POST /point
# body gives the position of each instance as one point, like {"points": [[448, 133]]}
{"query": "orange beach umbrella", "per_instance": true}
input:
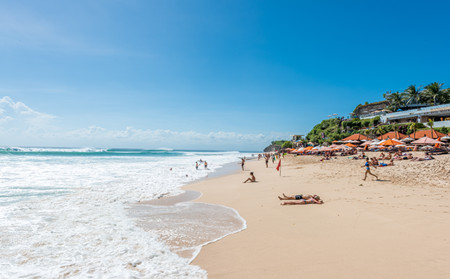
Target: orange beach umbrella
{"points": [[390, 142]]}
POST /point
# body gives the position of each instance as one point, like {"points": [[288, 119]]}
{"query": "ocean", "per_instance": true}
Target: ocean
{"points": [[78, 212]]}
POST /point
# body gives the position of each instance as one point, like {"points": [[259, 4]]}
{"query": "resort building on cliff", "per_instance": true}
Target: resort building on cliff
{"points": [[439, 114]]}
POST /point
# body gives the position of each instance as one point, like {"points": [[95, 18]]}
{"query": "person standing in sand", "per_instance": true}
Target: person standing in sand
{"points": [[267, 161], [242, 163], [252, 178], [367, 165]]}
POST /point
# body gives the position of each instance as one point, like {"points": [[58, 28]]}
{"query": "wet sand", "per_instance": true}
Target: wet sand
{"points": [[186, 226]]}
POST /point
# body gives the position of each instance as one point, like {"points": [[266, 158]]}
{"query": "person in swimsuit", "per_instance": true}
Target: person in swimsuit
{"points": [[206, 165], [267, 161], [242, 163], [367, 165], [313, 200], [391, 163], [298, 197], [251, 178]]}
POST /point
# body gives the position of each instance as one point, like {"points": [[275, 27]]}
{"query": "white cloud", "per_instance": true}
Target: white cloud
{"points": [[21, 125], [20, 113], [174, 139]]}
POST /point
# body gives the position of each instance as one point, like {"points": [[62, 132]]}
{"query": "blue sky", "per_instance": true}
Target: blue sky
{"points": [[205, 74]]}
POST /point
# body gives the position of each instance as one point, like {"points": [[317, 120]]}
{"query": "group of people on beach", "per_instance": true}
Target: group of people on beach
{"points": [[369, 162], [300, 199], [291, 200], [270, 156], [197, 164], [404, 156]]}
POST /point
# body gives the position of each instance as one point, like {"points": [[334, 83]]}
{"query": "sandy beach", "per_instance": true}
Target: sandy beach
{"points": [[396, 227]]}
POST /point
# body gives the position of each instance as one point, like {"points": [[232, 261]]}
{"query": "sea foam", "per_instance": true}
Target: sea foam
{"points": [[65, 216]]}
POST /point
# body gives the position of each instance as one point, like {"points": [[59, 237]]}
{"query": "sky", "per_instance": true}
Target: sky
{"points": [[221, 75]]}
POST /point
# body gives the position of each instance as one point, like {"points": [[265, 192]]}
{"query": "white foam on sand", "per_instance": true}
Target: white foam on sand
{"points": [[82, 230], [187, 226]]}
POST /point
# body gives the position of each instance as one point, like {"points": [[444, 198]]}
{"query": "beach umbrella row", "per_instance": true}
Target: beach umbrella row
{"points": [[370, 144], [426, 140]]}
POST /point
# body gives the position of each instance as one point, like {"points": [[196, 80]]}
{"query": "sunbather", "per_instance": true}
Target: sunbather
{"points": [[298, 197], [311, 200], [391, 163]]}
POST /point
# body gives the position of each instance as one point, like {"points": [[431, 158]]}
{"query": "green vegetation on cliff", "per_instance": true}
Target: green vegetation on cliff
{"points": [[335, 129]]}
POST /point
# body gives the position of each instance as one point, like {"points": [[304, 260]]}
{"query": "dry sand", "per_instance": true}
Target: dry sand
{"points": [[397, 227]]}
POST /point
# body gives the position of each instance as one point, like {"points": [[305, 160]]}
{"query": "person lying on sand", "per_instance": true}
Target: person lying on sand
{"points": [[311, 200], [426, 158], [391, 163], [251, 178], [374, 161], [298, 197]]}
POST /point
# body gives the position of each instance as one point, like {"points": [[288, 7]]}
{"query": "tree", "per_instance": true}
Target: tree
{"points": [[435, 94], [396, 100], [431, 124], [413, 126], [287, 144], [413, 95], [380, 130]]}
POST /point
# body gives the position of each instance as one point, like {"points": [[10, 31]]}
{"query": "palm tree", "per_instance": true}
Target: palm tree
{"points": [[380, 130], [395, 127], [396, 100], [413, 95], [413, 126], [435, 93], [366, 132], [431, 124]]}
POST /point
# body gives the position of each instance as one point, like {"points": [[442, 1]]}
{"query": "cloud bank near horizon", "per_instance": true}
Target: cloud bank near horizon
{"points": [[23, 126]]}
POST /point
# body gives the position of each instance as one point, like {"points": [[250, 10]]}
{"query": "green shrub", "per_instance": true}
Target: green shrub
{"points": [[444, 130], [286, 144]]}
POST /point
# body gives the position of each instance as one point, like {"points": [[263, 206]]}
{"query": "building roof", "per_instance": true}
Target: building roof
{"points": [[357, 137], [426, 133], [392, 135]]}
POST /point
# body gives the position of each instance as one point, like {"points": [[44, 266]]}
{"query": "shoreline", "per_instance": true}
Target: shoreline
{"points": [[345, 237], [190, 216]]}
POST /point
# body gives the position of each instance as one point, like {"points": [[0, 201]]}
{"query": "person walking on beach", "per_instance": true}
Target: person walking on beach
{"points": [[252, 178], [367, 165], [242, 163], [267, 161]]}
